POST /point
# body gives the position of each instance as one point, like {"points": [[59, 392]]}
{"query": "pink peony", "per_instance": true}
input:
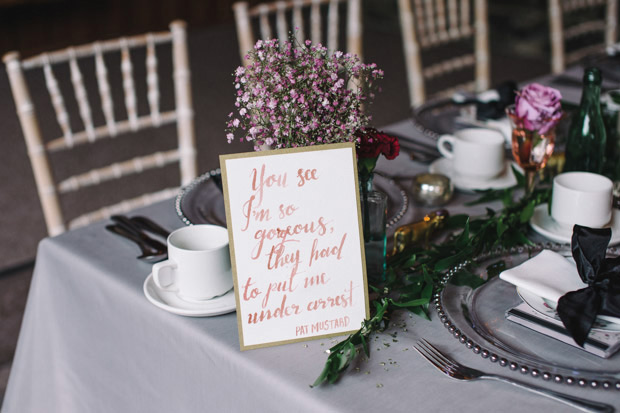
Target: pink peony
{"points": [[538, 107]]}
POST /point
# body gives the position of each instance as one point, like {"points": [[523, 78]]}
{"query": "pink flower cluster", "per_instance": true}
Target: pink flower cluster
{"points": [[300, 95], [538, 107]]}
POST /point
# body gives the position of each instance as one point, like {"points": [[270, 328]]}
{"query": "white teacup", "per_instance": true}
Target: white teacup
{"points": [[475, 152], [198, 265], [582, 198]]}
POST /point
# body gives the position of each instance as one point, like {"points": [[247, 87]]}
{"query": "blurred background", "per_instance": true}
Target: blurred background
{"points": [[519, 50]]}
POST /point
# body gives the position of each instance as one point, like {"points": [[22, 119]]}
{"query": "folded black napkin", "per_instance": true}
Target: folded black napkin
{"points": [[578, 309]]}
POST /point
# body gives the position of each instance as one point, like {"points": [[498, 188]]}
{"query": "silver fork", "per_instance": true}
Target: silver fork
{"points": [[457, 371]]}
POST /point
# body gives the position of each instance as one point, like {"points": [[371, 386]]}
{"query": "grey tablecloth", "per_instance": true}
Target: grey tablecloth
{"points": [[91, 342]]}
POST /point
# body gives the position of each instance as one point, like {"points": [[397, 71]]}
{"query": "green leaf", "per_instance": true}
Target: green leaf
{"points": [[466, 278], [449, 262], [456, 221], [501, 228], [520, 177], [412, 303], [527, 212]]}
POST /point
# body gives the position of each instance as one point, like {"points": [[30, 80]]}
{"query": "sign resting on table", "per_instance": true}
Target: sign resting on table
{"points": [[296, 243]]}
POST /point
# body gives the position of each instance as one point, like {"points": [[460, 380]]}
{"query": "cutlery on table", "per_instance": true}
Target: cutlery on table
{"points": [[149, 253], [150, 225], [460, 372], [136, 230]]}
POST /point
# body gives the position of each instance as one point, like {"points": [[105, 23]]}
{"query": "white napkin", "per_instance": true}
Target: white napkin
{"points": [[548, 275]]}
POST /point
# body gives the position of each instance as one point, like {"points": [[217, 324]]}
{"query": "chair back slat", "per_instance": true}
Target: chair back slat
{"points": [[451, 65], [281, 26], [184, 153], [62, 116], [184, 104], [152, 81], [429, 24], [442, 32], [481, 46], [573, 5], [118, 170], [87, 50], [580, 19], [81, 96], [263, 18], [294, 10], [612, 23], [103, 131], [315, 21], [128, 86], [430, 19], [465, 18], [103, 84], [298, 20], [453, 19], [333, 20]]}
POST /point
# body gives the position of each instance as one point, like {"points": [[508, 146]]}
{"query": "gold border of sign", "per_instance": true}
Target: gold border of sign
{"points": [[326, 147]]}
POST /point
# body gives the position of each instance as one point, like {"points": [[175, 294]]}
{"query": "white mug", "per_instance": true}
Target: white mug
{"points": [[582, 198], [198, 265], [474, 152]]}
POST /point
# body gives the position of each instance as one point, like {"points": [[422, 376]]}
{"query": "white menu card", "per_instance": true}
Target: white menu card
{"points": [[296, 244]]}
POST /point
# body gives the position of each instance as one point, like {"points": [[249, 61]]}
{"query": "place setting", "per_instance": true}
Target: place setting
{"points": [[474, 159], [196, 279]]}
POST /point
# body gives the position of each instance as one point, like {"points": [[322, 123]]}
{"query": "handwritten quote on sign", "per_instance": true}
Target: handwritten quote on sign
{"points": [[293, 222]]}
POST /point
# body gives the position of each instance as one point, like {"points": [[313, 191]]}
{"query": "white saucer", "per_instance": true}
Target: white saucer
{"points": [[468, 184], [547, 308], [546, 226], [169, 301]]}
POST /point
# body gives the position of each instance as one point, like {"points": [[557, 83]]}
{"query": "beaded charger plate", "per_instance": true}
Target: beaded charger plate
{"points": [[477, 319], [438, 117], [202, 202]]}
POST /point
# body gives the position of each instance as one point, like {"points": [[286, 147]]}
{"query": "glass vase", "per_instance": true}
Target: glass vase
{"points": [[530, 149], [374, 222]]}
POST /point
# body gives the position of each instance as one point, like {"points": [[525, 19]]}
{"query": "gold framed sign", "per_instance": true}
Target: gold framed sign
{"points": [[296, 243]]}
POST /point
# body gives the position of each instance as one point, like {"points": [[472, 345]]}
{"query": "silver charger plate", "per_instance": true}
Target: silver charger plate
{"points": [[202, 202], [477, 319], [439, 117]]}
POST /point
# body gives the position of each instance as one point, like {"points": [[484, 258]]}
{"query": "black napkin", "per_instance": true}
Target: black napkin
{"points": [[494, 109], [578, 309]]}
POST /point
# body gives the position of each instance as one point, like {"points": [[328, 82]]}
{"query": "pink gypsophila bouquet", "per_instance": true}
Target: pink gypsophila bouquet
{"points": [[299, 95], [538, 108]]}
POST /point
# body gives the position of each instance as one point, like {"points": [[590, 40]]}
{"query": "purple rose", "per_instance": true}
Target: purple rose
{"points": [[538, 107]]}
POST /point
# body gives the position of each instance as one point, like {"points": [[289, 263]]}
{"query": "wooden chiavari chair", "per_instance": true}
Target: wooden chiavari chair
{"points": [[281, 13], [76, 58], [434, 24], [577, 22]]}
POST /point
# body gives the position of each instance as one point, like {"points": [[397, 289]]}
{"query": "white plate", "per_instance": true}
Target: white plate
{"points": [[468, 184], [171, 302], [547, 308], [546, 226]]}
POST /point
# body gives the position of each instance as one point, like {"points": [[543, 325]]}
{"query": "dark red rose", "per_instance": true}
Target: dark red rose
{"points": [[372, 143], [390, 147]]}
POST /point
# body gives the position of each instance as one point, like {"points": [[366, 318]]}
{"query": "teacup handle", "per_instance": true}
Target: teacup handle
{"points": [[443, 149], [165, 270]]}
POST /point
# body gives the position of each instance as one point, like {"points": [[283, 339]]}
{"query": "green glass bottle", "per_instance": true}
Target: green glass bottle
{"points": [[587, 139]]}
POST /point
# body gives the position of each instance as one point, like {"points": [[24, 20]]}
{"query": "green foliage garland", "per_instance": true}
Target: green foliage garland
{"points": [[413, 275]]}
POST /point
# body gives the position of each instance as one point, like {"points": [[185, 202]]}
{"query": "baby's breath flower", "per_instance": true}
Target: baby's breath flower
{"points": [[296, 94]]}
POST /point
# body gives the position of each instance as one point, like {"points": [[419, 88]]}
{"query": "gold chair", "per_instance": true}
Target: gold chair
{"points": [[439, 28], [282, 12], [100, 118], [573, 28]]}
